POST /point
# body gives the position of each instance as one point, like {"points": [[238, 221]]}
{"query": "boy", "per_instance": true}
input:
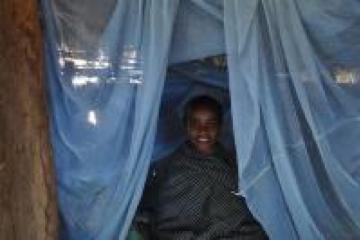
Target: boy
{"points": [[191, 195]]}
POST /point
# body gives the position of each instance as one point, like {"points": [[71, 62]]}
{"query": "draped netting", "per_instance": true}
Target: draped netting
{"points": [[295, 94], [294, 71]]}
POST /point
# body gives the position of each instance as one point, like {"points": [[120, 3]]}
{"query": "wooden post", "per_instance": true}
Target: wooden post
{"points": [[27, 187]]}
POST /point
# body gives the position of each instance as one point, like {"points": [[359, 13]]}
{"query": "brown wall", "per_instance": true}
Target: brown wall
{"points": [[27, 193]]}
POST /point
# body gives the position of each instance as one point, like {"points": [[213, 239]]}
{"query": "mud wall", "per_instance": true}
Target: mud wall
{"points": [[27, 189]]}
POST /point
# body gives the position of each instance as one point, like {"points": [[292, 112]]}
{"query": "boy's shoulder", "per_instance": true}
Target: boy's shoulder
{"points": [[168, 160]]}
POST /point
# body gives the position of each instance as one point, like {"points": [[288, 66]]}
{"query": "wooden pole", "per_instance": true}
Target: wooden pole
{"points": [[27, 187]]}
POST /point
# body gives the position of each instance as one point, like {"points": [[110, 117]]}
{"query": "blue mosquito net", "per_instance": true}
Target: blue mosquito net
{"points": [[293, 83]]}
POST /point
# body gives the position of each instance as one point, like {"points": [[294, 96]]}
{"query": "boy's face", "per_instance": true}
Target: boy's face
{"points": [[203, 129]]}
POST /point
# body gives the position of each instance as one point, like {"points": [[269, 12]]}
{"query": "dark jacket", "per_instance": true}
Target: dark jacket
{"points": [[191, 196]]}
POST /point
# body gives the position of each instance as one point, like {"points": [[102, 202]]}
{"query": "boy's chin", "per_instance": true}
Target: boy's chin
{"points": [[206, 150]]}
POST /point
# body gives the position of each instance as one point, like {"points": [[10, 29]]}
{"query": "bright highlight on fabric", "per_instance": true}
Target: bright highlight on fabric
{"points": [[92, 119], [344, 76]]}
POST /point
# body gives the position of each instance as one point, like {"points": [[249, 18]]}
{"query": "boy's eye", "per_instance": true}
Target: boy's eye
{"points": [[192, 122], [212, 123]]}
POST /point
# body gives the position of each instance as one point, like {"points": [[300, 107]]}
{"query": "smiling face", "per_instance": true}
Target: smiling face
{"points": [[203, 128]]}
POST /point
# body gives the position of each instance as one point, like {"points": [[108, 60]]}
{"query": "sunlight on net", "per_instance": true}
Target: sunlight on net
{"points": [[92, 118]]}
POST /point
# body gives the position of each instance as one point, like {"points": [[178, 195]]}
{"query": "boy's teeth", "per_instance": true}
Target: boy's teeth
{"points": [[203, 140]]}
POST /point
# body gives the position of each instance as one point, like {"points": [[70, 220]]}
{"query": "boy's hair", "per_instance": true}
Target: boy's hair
{"points": [[203, 100]]}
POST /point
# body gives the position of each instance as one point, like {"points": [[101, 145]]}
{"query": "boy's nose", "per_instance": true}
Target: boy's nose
{"points": [[203, 128]]}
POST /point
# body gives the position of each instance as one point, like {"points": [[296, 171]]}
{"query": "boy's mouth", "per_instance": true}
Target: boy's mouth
{"points": [[203, 140]]}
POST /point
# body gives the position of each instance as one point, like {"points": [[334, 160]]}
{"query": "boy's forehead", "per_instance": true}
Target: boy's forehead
{"points": [[203, 107], [203, 110]]}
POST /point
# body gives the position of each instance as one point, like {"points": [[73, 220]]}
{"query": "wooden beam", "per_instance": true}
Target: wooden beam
{"points": [[27, 187]]}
